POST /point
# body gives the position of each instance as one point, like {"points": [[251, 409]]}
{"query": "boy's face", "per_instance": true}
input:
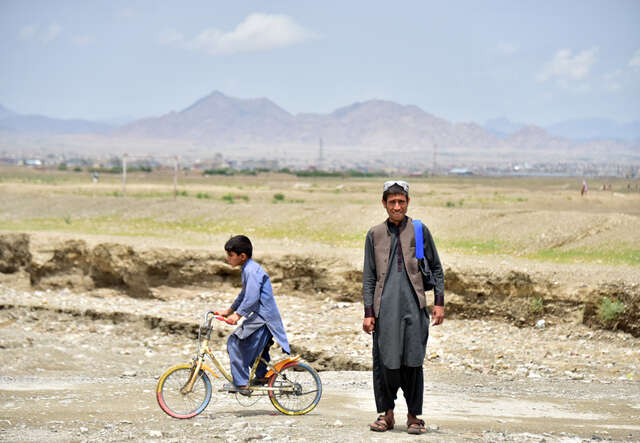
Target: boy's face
{"points": [[236, 260]]}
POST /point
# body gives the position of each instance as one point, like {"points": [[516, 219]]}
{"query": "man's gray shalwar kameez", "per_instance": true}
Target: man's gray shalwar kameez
{"points": [[402, 327]]}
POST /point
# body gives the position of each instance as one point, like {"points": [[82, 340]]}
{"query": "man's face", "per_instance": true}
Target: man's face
{"points": [[396, 206], [234, 259]]}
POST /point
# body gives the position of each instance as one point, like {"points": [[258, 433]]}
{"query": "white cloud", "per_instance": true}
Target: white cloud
{"points": [[45, 35], [565, 67], [634, 63], [28, 32], [51, 33], [258, 32], [505, 48]]}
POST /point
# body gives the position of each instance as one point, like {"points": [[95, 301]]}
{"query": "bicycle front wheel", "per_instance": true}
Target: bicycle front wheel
{"points": [[298, 389], [178, 404]]}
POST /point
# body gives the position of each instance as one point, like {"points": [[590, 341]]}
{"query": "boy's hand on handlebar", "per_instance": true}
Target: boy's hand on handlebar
{"points": [[234, 318], [226, 312]]}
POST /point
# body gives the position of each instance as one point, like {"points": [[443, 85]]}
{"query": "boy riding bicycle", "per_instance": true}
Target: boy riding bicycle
{"points": [[262, 319]]}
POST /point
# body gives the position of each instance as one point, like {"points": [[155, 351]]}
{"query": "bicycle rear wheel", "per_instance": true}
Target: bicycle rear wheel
{"points": [[300, 389], [174, 402]]}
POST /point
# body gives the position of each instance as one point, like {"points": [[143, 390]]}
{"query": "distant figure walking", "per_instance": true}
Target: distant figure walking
{"points": [[95, 177], [584, 189]]}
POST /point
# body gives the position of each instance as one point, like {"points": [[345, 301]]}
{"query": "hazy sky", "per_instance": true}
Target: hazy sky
{"points": [[533, 61]]}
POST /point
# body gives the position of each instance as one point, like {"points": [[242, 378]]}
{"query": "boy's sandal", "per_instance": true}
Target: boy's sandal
{"points": [[260, 381], [416, 427], [230, 387], [381, 424]]}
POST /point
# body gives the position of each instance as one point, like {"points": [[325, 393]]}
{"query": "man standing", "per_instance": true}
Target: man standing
{"points": [[395, 308]]}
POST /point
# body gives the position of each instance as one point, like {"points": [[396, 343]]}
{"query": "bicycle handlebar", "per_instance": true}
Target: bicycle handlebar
{"points": [[217, 316]]}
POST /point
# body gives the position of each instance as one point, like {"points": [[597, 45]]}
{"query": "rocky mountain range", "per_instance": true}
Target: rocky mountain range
{"points": [[372, 128]]}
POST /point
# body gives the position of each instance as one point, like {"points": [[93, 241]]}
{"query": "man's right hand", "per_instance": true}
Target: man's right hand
{"points": [[368, 324]]}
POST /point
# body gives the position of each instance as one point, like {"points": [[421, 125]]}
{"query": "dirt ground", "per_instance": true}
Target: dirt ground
{"points": [[83, 367], [80, 358]]}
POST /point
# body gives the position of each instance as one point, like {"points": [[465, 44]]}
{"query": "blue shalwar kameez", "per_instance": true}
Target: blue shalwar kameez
{"points": [[262, 324]]}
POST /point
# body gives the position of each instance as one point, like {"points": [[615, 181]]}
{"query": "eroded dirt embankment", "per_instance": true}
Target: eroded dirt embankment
{"points": [[513, 295]]}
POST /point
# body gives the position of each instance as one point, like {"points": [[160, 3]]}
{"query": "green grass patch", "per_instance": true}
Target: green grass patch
{"points": [[280, 198], [536, 305], [475, 246], [232, 198], [152, 227], [601, 256], [610, 311]]}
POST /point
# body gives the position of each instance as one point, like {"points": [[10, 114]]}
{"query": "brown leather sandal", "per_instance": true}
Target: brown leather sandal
{"points": [[416, 427], [381, 424]]}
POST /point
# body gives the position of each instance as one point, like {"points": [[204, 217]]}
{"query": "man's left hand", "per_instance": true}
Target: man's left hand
{"points": [[438, 315]]}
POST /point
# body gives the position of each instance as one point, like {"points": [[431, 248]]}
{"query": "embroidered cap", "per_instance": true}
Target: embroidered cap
{"points": [[404, 185]]}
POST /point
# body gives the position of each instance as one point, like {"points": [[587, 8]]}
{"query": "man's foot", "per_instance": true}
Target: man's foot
{"points": [[382, 424], [416, 427], [260, 381]]}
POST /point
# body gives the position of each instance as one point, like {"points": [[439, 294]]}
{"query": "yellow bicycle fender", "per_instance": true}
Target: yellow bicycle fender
{"points": [[280, 364], [207, 368]]}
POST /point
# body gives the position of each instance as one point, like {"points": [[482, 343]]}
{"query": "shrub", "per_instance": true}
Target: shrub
{"points": [[221, 171], [450, 204], [609, 311], [278, 197], [202, 195], [231, 198], [536, 305]]}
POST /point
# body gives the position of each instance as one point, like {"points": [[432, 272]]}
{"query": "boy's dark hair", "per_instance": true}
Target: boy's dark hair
{"points": [[394, 189], [240, 244]]}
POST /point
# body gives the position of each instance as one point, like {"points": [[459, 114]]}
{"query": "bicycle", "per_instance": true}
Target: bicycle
{"points": [[184, 391]]}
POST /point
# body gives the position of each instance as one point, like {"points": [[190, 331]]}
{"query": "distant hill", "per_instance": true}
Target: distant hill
{"points": [[577, 129], [502, 126], [372, 130], [221, 120], [37, 124], [4, 112], [596, 128]]}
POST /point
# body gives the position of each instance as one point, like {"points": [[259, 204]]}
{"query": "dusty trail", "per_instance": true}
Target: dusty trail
{"points": [[83, 367], [117, 408]]}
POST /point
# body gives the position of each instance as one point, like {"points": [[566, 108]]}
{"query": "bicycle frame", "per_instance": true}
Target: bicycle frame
{"points": [[205, 350]]}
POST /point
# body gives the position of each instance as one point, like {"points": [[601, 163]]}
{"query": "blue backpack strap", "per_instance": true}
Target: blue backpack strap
{"points": [[417, 228]]}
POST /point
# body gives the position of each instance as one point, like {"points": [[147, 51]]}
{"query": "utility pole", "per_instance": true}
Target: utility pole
{"points": [[124, 175], [175, 177], [435, 157], [320, 153]]}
